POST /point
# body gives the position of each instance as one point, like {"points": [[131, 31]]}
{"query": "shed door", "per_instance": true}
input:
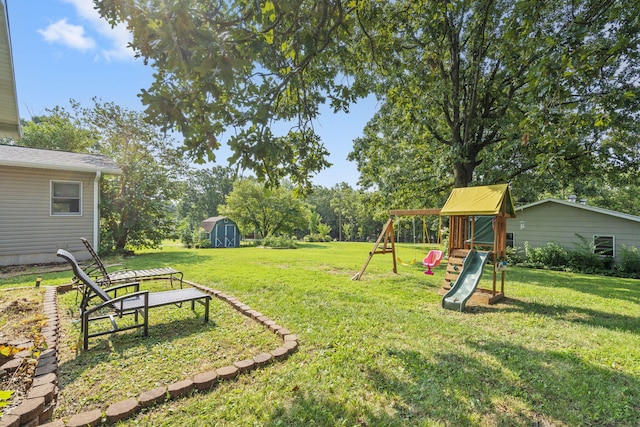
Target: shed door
{"points": [[219, 237], [229, 236]]}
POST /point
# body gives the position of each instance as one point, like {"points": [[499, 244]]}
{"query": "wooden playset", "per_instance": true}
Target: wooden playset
{"points": [[477, 220]]}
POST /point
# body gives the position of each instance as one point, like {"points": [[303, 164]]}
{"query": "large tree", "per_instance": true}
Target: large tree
{"points": [[240, 66], [204, 191], [268, 211], [486, 90], [136, 207], [58, 129]]}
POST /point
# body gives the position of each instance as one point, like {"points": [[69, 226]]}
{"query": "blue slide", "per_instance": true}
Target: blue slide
{"points": [[463, 288]]}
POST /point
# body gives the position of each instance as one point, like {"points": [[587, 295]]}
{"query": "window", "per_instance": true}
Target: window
{"points": [[66, 198], [604, 245], [510, 240]]}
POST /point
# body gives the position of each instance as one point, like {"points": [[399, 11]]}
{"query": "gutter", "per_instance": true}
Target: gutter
{"points": [[96, 210]]}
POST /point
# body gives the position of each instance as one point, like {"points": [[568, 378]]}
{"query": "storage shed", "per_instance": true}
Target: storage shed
{"points": [[561, 221], [222, 232]]}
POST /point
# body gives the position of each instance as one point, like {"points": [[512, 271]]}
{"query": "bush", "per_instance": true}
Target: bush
{"points": [[629, 262], [201, 240], [584, 259], [316, 238], [279, 242], [186, 237], [515, 255], [553, 255]]}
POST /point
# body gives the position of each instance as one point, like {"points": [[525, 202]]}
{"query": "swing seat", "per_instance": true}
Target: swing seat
{"points": [[432, 259]]}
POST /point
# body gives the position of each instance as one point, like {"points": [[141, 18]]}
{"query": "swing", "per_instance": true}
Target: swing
{"points": [[406, 264], [425, 240]]}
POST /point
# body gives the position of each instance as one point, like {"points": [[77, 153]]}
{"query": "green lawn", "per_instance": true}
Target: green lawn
{"points": [[563, 349]]}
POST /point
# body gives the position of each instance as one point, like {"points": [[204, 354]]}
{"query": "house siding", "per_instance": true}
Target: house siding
{"points": [[29, 234], [554, 222]]}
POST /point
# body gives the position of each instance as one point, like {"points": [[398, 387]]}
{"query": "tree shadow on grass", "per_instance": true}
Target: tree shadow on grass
{"points": [[309, 411], [565, 312], [601, 286], [165, 259], [507, 384], [128, 344]]}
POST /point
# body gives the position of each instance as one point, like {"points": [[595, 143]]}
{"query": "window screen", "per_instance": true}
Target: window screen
{"points": [[66, 198]]}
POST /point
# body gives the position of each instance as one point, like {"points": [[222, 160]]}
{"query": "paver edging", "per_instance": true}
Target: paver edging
{"points": [[202, 382], [42, 395]]}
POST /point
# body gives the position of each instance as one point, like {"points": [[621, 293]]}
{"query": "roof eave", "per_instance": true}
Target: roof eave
{"points": [[110, 171], [594, 209], [10, 128]]}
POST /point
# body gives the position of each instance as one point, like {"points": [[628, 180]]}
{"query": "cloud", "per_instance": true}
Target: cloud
{"points": [[116, 38], [111, 43], [69, 35]]}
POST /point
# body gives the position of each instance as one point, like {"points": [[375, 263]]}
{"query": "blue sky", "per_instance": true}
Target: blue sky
{"points": [[62, 50]]}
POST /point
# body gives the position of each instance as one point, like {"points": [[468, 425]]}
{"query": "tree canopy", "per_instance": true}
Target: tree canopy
{"points": [[473, 90], [267, 211]]}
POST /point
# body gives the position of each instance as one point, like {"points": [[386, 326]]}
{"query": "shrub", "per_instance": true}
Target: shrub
{"points": [[629, 262], [515, 255], [186, 237], [316, 238], [201, 240], [553, 255], [584, 259], [279, 242]]}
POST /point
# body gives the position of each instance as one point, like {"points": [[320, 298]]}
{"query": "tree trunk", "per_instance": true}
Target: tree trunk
{"points": [[120, 239], [463, 173]]}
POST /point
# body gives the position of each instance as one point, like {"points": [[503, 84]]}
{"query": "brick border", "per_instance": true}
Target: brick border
{"points": [[41, 399]]}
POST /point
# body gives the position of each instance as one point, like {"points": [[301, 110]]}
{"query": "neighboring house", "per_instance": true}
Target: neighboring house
{"points": [[9, 117], [222, 232], [553, 220], [48, 200]]}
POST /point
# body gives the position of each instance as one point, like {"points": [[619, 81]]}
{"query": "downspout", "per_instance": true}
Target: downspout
{"points": [[96, 210]]}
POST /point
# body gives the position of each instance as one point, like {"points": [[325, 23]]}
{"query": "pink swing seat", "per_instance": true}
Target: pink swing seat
{"points": [[432, 259]]}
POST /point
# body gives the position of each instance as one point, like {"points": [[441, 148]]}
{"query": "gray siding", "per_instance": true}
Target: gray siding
{"points": [[29, 234], [554, 222]]}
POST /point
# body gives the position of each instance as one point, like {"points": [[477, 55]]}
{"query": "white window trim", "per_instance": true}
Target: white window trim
{"points": [[613, 240], [61, 181], [513, 238]]}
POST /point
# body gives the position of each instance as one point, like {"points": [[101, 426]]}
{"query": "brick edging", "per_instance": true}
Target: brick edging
{"points": [[43, 395], [41, 398]]}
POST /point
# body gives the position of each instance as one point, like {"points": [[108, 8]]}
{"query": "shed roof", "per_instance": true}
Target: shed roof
{"points": [[482, 200], [581, 206], [209, 223], [12, 155], [9, 117]]}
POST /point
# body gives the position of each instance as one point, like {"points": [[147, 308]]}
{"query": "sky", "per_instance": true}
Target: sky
{"points": [[62, 50]]}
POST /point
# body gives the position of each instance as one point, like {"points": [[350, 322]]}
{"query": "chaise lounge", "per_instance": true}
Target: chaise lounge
{"points": [[104, 278], [136, 303]]}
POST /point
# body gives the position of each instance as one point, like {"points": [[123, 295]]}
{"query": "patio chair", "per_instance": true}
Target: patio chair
{"points": [[105, 278], [136, 303]]}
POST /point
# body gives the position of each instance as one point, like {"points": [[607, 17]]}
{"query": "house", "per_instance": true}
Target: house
{"points": [[48, 200], [9, 117], [222, 232], [561, 221]]}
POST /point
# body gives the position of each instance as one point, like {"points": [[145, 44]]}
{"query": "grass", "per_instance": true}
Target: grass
{"points": [[563, 349]]}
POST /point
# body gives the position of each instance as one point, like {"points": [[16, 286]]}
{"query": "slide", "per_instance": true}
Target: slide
{"points": [[463, 288]]}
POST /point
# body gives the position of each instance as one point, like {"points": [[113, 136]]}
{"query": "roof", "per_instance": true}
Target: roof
{"points": [[581, 206], [482, 200], [12, 155], [9, 117], [209, 223]]}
